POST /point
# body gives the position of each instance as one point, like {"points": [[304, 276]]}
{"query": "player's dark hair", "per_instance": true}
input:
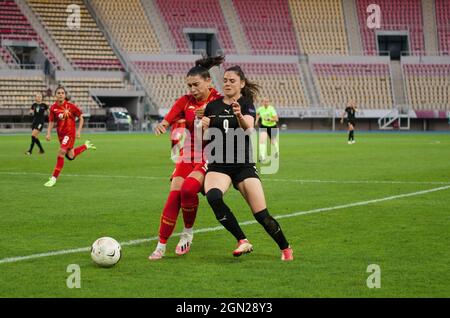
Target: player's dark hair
{"points": [[64, 89], [251, 89], [203, 65]]}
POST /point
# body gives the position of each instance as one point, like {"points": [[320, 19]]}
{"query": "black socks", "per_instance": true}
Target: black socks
{"points": [[223, 213], [272, 227]]}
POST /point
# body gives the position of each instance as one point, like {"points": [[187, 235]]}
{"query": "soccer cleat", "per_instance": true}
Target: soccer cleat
{"points": [[349, 142], [243, 247], [41, 152], [90, 145], [287, 254], [51, 182], [28, 153], [157, 254], [353, 141], [184, 245]]}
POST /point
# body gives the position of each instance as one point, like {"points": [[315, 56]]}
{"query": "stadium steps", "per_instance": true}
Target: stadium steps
{"points": [[44, 35], [352, 26], [398, 88], [397, 118], [156, 20], [429, 25], [310, 88], [237, 32], [3, 65], [136, 79]]}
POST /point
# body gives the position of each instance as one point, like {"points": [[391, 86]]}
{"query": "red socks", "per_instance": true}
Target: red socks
{"points": [[169, 216], [189, 200], [79, 150], [59, 166]]}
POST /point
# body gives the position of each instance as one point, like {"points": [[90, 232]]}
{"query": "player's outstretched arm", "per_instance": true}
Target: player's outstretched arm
{"points": [[161, 127]]}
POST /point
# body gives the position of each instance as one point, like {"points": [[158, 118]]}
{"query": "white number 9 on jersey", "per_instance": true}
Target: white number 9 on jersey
{"points": [[225, 125]]}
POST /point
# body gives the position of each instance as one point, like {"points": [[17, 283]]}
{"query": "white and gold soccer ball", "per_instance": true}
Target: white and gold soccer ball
{"points": [[106, 252]]}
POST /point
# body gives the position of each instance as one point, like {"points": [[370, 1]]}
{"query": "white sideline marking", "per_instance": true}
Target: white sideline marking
{"points": [[264, 179], [218, 228]]}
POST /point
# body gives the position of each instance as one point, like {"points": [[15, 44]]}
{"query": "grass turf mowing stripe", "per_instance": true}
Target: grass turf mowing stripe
{"points": [[218, 228], [264, 179]]}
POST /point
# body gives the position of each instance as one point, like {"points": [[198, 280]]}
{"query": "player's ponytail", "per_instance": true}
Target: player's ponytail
{"points": [[203, 65], [251, 89]]}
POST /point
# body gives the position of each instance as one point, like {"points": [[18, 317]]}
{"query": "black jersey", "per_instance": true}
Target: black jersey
{"points": [[39, 112], [236, 146], [350, 113]]}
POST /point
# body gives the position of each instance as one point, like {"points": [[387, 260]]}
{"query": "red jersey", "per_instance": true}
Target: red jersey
{"points": [[185, 107], [64, 115]]}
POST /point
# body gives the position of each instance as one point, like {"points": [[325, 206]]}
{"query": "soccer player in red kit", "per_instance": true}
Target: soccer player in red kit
{"points": [[64, 113], [188, 176]]}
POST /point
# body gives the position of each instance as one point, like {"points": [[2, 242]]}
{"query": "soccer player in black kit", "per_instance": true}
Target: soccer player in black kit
{"points": [[38, 110], [225, 118], [350, 111]]}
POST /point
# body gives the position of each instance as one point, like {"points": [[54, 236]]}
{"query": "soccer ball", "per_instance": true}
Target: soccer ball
{"points": [[106, 252]]}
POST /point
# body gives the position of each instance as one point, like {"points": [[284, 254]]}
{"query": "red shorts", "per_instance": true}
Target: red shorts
{"points": [[183, 169], [67, 141]]}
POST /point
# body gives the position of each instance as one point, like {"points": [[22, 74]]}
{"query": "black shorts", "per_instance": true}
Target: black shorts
{"points": [[237, 173], [38, 126], [271, 132], [351, 121]]}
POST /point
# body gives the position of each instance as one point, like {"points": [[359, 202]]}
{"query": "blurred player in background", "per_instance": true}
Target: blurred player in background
{"points": [[232, 115], [350, 110], [65, 113], [187, 178], [269, 120], [38, 110]]}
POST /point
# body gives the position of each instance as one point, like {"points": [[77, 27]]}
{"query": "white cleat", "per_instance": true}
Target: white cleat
{"points": [[243, 247], [184, 245], [157, 254]]}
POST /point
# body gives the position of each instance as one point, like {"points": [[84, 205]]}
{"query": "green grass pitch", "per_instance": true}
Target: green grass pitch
{"points": [[384, 200]]}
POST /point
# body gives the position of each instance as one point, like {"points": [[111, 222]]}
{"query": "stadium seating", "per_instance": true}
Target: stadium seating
{"points": [[268, 26], [320, 26], [85, 48], [6, 57], [19, 91], [180, 14], [166, 80], [396, 15], [78, 88], [368, 84], [15, 26], [443, 25], [280, 82], [129, 25], [427, 86]]}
